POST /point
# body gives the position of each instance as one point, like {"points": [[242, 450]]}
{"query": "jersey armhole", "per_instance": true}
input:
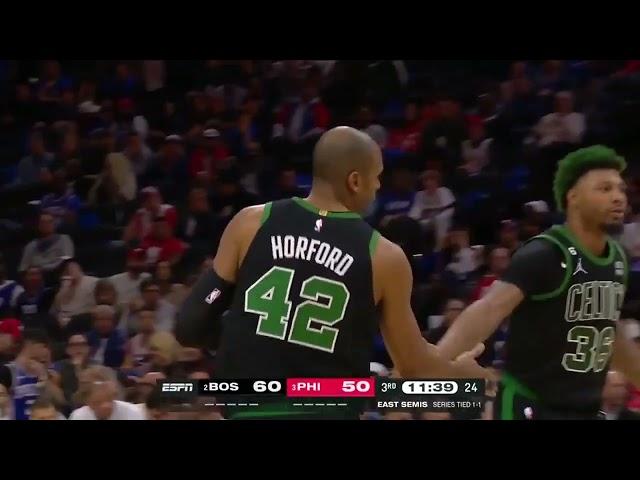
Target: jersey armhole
{"points": [[373, 242], [567, 272], [266, 213]]}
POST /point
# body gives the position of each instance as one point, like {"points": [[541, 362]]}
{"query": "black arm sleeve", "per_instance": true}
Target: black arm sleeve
{"points": [[198, 323], [536, 268]]}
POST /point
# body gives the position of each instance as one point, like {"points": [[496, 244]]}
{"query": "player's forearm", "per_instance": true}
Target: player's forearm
{"points": [[473, 326], [199, 316]]}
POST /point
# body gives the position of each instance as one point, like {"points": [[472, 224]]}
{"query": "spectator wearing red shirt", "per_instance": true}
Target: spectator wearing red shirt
{"points": [[300, 123], [499, 259], [141, 223], [406, 138], [161, 245], [206, 160]]}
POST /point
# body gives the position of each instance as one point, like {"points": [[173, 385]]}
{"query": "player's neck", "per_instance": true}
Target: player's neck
{"points": [[593, 240], [323, 200]]}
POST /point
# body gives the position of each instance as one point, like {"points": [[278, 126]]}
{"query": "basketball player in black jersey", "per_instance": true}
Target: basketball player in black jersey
{"points": [[303, 279], [562, 294]]}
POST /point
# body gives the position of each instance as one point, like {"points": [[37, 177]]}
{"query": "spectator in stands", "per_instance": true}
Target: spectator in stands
{"points": [[230, 197], [171, 291], [209, 157], [630, 237], [141, 223], [138, 355], [458, 256], [365, 121], [70, 369], [453, 308], [139, 154], [168, 171], [300, 123], [152, 300], [67, 154], [476, 150], [499, 260], [397, 201], [53, 83], [244, 137], [197, 224], [29, 375], [107, 344], [563, 126], [508, 236], [116, 184], [433, 207], [10, 336], [44, 409], [5, 403], [127, 284], [35, 168], [165, 350], [445, 134], [406, 138], [145, 386], [33, 304], [102, 402], [49, 251], [76, 293], [62, 203], [287, 185], [10, 290], [161, 244]]}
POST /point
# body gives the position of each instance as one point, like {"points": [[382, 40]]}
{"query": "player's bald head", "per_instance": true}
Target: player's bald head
{"points": [[341, 151]]}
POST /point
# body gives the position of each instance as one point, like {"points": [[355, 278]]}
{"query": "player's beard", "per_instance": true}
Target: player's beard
{"points": [[613, 228]]}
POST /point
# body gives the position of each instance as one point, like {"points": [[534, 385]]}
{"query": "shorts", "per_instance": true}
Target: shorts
{"points": [[515, 401]]}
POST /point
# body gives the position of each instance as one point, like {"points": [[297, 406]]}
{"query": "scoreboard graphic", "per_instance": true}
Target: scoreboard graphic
{"points": [[383, 394]]}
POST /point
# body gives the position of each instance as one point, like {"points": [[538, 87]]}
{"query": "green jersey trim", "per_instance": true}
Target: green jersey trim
{"points": [[266, 213], [373, 243], [603, 262], [567, 273], [511, 387], [625, 262], [324, 213]]}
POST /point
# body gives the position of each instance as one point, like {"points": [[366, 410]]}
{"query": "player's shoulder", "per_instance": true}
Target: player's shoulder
{"points": [[251, 216], [388, 256], [543, 245]]}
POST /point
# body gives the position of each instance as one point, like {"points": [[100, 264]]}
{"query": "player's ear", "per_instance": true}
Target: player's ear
{"points": [[572, 196], [354, 181]]}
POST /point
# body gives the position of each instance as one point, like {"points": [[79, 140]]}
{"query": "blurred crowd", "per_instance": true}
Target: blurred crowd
{"points": [[117, 179]]}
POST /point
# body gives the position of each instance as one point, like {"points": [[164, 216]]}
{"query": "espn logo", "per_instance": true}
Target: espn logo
{"points": [[177, 387]]}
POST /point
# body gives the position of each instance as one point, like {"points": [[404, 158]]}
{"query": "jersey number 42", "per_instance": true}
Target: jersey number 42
{"points": [[269, 297]]}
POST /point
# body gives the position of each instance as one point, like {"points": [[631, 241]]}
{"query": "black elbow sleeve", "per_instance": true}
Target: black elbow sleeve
{"points": [[198, 322]]}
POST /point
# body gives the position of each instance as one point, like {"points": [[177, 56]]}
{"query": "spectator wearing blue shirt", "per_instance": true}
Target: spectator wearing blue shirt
{"points": [[35, 167], [62, 203], [397, 201]]}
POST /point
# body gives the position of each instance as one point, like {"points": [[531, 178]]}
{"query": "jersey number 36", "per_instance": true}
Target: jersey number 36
{"points": [[268, 297]]}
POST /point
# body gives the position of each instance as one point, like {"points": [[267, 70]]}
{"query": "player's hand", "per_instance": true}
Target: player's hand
{"points": [[465, 365]]}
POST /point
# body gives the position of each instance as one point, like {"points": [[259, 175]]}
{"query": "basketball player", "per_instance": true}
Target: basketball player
{"points": [[303, 278], [563, 293]]}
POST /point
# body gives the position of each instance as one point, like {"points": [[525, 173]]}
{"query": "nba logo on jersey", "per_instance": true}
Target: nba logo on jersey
{"points": [[619, 268], [318, 226], [212, 296]]}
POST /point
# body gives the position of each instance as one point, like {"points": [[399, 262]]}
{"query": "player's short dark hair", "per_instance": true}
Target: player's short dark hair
{"points": [[572, 167]]}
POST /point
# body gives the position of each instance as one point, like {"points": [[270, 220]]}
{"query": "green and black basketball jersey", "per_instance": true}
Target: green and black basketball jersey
{"points": [[304, 303], [560, 337]]}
